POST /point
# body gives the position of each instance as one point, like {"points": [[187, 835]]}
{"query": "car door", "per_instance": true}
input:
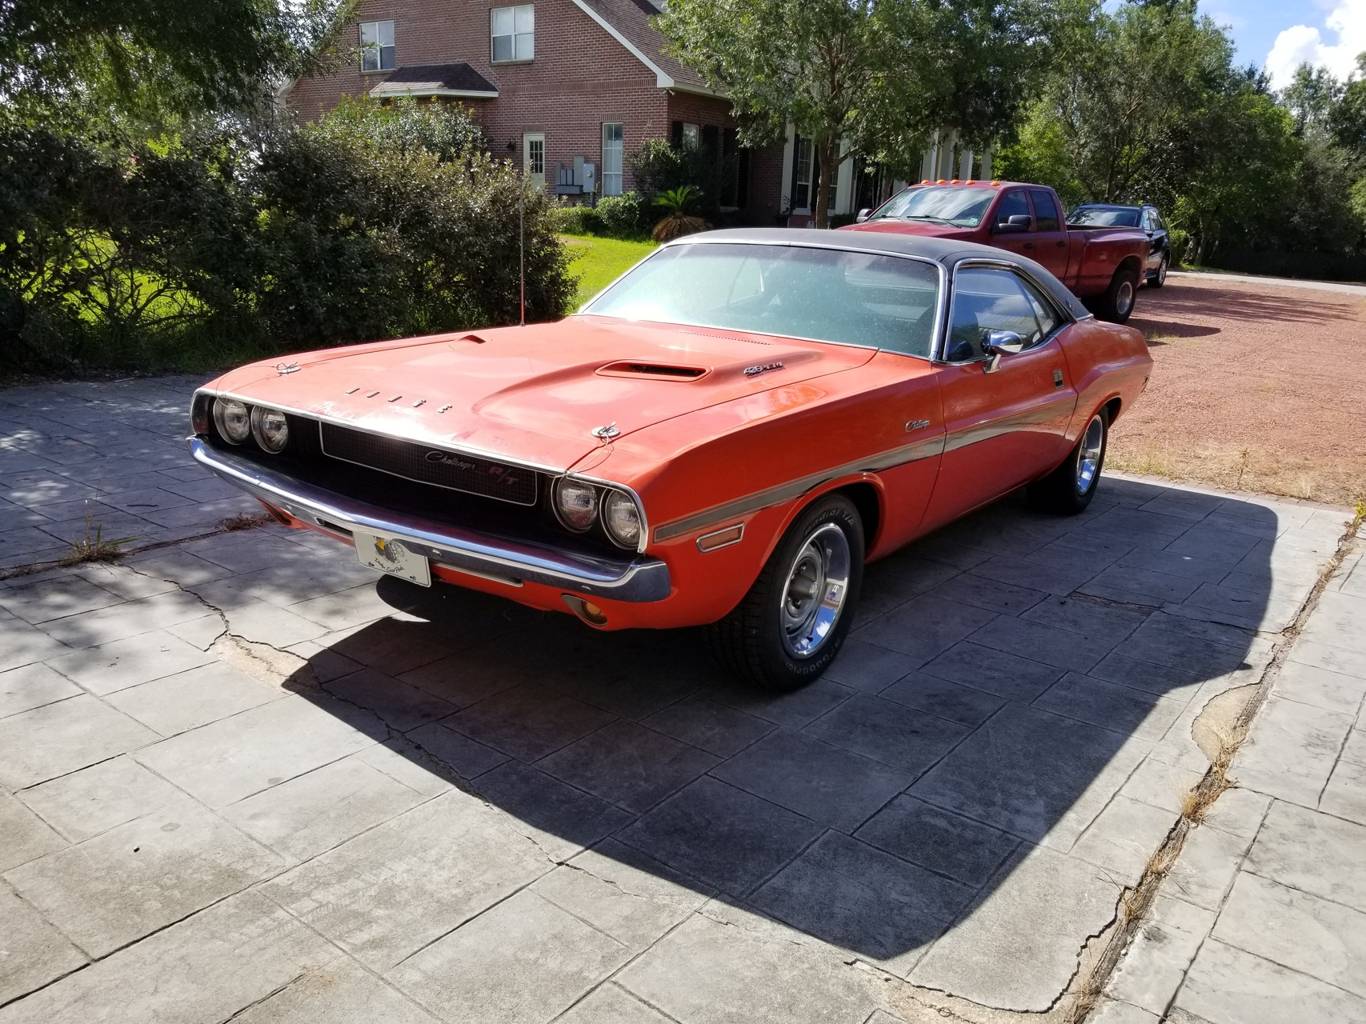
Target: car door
{"points": [[1016, 237], [1003, 426], [1157, 238], [1050, 236]]}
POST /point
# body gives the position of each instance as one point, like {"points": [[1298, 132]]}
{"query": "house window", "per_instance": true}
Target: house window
{"points": [[692, 136], [613, 152], [801, 173], [377, 51], [514, 32]]}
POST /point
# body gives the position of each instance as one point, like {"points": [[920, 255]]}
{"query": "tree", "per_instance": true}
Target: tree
{"points": [[146, 58], [1312, 96], [863, 77], [1133, 79], [1348, 119]]}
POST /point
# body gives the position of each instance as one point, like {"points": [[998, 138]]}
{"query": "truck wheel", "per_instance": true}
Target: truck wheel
{"points": [[1159, 276], [792, 623], [1069, 488], [1118, 301]]}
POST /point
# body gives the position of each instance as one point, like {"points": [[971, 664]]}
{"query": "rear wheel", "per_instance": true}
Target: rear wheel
{"points": [[793, 622], [1159, 276], [1069, 488], [1118, 301]]}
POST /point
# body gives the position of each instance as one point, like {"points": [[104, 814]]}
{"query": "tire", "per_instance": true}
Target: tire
{"points": [[1159, 276], [1069, 488], [1117, 304], [761, 640]]}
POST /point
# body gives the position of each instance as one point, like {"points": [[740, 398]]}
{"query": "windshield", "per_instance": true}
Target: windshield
{"points": [[854, 298], [960, 207], [1100, 216]]}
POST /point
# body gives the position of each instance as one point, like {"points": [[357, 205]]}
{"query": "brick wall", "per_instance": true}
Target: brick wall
{"points": [[580, 76]]}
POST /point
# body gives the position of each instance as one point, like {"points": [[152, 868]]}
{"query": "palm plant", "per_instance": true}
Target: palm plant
{"points": [[678, 220]]}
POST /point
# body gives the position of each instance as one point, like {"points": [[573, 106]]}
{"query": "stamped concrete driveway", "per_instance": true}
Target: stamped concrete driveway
{"points": [[243, 779]]}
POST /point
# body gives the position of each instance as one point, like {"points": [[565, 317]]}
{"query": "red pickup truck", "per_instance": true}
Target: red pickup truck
{"points": [[1101, 265]]}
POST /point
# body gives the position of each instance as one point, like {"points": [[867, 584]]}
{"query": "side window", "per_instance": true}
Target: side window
{"points": [[1043, 311], [1013, 204], [986, 300], [1046, 216]]}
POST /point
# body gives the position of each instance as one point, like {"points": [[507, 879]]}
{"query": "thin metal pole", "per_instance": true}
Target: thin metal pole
{"points": [[521, 256]]}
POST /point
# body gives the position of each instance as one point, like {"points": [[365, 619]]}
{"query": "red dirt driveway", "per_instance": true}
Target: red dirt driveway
{"points": [[1255, 387]]}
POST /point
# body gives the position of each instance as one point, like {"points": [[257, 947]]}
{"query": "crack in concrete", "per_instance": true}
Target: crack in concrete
{"points": [[269, 995], [1229, 733]]}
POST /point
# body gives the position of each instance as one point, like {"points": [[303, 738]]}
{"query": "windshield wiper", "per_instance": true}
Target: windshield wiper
{"points": [[923, 216]]}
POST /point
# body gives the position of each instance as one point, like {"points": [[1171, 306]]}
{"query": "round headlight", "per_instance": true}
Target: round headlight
{"points": [[621, 518], [232, 418], [270, 428], [576, 503]]}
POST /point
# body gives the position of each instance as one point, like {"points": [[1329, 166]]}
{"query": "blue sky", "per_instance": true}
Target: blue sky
{"points": [[1280, 34]]}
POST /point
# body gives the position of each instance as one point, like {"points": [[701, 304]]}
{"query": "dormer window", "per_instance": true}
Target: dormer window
{"points": [[377, 52], [513, 31]]}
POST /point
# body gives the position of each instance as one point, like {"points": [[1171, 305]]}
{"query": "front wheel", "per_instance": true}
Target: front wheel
{"points": [[1118, 301], [793, 622], [1069, 488]]}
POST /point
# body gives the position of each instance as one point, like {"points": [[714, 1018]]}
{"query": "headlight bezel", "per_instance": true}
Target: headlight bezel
{"points": [[220, 406], [622, 500], [258, 433], [590, 515]]}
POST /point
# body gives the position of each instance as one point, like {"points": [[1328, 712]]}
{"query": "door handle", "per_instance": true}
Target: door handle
{"points": [[1060, 244], [1029, 245]]}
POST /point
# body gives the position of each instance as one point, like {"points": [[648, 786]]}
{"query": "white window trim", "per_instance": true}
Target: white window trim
{"points": [[514, 35], [379, 47], [620, 173]]}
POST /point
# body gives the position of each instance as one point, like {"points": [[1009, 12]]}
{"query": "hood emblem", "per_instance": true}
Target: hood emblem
{"points": [[284, 368], [606, 432], [754, 371]]}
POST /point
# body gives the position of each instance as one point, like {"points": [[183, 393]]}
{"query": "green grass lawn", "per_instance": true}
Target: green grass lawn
{"points": [[599, 261]]}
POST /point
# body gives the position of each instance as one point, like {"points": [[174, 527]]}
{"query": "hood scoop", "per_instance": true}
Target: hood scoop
{"points": [[651, 370]]}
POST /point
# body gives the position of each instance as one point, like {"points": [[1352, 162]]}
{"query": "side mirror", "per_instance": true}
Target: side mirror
{"points": [[862, 215], [1014, 224], [996, 344]]}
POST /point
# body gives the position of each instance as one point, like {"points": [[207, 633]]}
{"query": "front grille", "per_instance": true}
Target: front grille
{"points": [[421, 463]]}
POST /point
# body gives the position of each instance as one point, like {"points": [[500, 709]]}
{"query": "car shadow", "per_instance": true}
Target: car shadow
{"points": [[1007, 677]]}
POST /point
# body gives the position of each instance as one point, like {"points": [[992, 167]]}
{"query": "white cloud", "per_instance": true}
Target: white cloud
{"points": [[1301, 44]]}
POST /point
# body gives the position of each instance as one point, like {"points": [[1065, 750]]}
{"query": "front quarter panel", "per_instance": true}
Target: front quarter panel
{"points": [[759, 461]]}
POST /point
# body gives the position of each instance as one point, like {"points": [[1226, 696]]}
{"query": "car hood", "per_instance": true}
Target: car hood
{"points": [[536, 393], [924, 228]]}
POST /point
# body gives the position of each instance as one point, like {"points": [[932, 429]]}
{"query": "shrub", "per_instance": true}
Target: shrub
{"points": [[622, 216], [575, 220], [445, 130], [232, 247], [659, 167]]}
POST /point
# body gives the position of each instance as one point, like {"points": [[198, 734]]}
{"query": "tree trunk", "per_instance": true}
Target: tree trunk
{"points": [[829, 156]]}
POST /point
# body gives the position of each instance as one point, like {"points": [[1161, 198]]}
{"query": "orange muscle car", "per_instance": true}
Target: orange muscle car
{"points": [[722, 437]]}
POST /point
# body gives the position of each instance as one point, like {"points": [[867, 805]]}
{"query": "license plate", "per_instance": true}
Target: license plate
{"points": [[392, 557]]}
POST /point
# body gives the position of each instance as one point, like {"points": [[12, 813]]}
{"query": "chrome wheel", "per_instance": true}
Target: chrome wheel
{"points": [[815, 590], [1124, 298], [1089, 454], [1162, 272]]}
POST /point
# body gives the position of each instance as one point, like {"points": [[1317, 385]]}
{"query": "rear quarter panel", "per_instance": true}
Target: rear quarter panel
{"points": [[1100, 253], [1106, 361]]}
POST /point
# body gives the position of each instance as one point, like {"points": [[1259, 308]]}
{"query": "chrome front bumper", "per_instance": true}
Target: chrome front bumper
{"points": [[508, 561]]}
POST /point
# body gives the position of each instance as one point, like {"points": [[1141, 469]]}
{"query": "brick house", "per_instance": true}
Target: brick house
{"points": [[560, 86]]}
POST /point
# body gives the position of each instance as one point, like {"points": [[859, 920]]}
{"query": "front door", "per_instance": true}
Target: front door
{"points": [[1050, 236], [1007, 426], [533, 157]]}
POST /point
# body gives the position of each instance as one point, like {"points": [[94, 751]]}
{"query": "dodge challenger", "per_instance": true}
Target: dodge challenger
{"points": [[723, 437]]}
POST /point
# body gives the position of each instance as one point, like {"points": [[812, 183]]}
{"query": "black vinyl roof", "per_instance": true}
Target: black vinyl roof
{"points": [[946, 251]]}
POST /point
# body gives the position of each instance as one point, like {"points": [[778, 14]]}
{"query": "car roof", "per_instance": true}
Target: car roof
{"points": [[948, 252]]}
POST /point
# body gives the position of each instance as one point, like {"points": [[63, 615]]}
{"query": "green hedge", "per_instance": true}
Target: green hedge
{"points": [[210, 247]]}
